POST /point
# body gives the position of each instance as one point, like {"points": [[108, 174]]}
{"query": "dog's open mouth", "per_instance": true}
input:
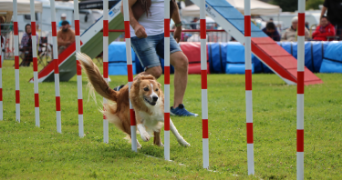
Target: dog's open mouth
{"points": [[150, 102]]}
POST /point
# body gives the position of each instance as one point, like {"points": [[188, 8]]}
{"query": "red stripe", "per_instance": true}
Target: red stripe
{"points": [[166, 27], [80, 106], [204, 79], [300, 82], [55, 63], [77, 27], [203, 27], [248, 79], [248, 25], [105, 69], [79, 67], [17, 96], [36, 100], [54, 28], [15, 28], [166, 121], [127, 30], [105, 27], [35, 64], [58, 103], [166, 74], [300, 140], [301, 24], [130, 72], [16, 62], [132, 116], [249, 133], [0, 94], [205, 130], [33, 28]]}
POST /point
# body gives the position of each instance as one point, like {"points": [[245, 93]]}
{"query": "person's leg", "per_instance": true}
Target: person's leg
{"points": [[180, 62]]}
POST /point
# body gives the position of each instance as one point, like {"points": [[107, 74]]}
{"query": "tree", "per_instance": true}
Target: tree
{"points": [[286, 5], [313, 4]]}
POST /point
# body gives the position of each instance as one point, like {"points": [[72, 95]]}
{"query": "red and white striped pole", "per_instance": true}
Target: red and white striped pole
{"points": [[205, 123], [105, 64], [167, 80], [1, 103], [35, 64], [16, 61], [300, 89], [248, 86], [55, 60], [79, 70], [129, 72]]}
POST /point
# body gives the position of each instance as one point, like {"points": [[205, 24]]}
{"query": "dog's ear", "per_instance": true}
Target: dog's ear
{"points": [[136, 83], [159, 85]]}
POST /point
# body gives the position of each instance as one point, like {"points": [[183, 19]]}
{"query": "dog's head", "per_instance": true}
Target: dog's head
{"points": [[148, 89]]}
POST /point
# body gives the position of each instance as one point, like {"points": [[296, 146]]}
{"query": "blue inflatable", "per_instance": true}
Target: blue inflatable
{"points": [[217, 53], [117, 62], [332, 61], [236, 59]]}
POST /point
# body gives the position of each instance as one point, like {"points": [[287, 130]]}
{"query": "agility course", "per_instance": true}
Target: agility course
{"points": [[219, 158]]}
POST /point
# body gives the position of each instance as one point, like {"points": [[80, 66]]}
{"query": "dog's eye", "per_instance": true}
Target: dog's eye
{"points": [[146, 89], [157, 89]]}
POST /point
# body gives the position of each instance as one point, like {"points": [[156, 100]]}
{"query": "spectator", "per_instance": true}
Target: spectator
{"points": [[324, 30], [26, 46], [334, 14], [63, 18], [194, 23], [65, 36], [290, 34], [271, 31]]}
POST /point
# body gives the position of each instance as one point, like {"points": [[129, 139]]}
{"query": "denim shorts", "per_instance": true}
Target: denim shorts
{"points": [[148, 49]]}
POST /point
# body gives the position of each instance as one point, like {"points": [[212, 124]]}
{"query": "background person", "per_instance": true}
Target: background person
{"points": [[63, 18], [65, 36], [290, 34], [193, 24], [271, 31], [26, 46], [324, 30], [334, 14]]}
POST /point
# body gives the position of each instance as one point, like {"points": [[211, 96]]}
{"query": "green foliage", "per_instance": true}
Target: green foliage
{"points": [[28, 152], [292, 5], [314, 4]]}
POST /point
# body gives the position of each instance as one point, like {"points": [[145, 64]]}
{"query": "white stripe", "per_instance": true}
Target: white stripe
{"points": [[16, 44], [202, 10], [78, 45], [248, 55], [301, 53], [166, 51], [129, 88], [59, 122], [300, 111], [55, 47], [17, 112], [166, 9], [203, 54], [166, 98], [167, 145], [249, 107], [205, 153], [34, 46], [32, 11], [53, 11], [134, 138], [79, 87], [105, 48], [80, 125], [76, 12], [16, 71], [247, 10], [105, 126], [250, 158], [300, 165], [1, 111], [128, 51], [301, 6], [35, 76], [204, 104], [15, 11], [105, 9], [126, 11], [36, 109], [57, 92]]}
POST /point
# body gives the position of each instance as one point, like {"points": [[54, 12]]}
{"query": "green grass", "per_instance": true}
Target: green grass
{"points": [[28, 152]]}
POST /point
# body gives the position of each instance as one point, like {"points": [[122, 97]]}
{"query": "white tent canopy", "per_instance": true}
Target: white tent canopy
{"points": [[23, 6], [257, 8]]}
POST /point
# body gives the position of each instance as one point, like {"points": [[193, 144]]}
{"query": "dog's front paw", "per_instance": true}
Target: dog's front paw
{"points": [[145, 136]]}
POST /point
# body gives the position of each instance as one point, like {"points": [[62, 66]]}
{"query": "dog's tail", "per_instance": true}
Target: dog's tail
{"points": [[95, 77]]}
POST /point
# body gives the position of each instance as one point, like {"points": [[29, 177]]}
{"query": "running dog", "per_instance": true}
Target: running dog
{"points": [[146, 97]]}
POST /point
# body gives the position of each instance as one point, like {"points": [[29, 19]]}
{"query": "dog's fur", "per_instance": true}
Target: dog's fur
{"points": [[146, 97]]}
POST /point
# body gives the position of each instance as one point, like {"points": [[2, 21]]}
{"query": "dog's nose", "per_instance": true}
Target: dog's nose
{"points": [[155, 98]]}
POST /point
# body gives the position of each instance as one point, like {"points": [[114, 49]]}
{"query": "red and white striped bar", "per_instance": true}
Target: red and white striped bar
{"points": [[300, 89], [1, 103], [248, 86], [204, 87], [79, 70], [16, 61], [35, 64], [167, 80], [105, 64], [55, 61], [129, 73]]}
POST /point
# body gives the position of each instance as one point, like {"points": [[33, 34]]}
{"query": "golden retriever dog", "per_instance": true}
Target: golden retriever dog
{"points": [[147, 100]]}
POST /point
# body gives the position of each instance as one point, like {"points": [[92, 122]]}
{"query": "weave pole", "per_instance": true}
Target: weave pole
{"points": [[300, 89], [1, 103], [248, 86], [205, 131], [55, 61], [129, 73], [105, 64], [35, 64], [79, 70], [16, 61], [167, 80]]}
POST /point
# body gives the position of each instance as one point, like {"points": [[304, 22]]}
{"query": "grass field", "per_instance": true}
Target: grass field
{"points": [[28, 152]]}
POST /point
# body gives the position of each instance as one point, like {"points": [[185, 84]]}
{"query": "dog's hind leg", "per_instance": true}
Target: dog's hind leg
{"points": [[175, 132], [157, 139]]}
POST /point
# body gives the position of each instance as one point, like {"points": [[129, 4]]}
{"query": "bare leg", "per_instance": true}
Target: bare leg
{"points": [[180, 62], [154, 71]]}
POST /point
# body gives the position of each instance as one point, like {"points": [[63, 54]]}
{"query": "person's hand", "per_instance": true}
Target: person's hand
{"points": [[140, 31], [177, 34]]}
